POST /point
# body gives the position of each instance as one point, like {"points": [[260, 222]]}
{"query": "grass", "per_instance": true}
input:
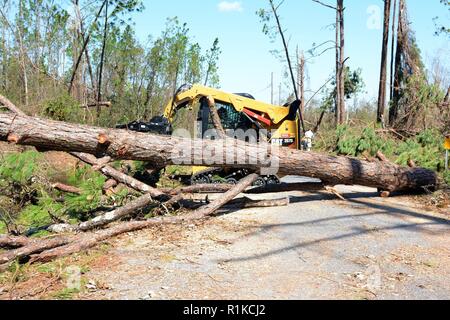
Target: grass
{"points": [[65, 294]]}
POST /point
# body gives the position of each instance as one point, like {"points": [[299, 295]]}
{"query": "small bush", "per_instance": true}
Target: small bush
{"points": [[62, 108]]}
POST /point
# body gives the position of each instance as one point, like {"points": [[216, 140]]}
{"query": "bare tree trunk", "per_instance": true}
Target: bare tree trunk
{"points": [[102, 60], [22, 55], [83, 38], [288, 58], [392, 51], [338, 68], [80, 55], [163, 151], [215, 118], [383, 71], [342, 111], [393, 112], [301, 80], [120, 213]]}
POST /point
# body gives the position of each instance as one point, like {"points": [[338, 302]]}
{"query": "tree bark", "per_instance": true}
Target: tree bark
{"points": [[66, 188], [13, 242], [102, 60], [244, 203], [391, 88], [215, 118], [342, 111], [90, 240], [383, 71], [166, 150], [393, 111], [338, 71], [34, 247]]}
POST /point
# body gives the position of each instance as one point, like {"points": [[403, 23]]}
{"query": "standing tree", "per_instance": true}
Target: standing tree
{"points": [[383, 71], [341, 88], [265, 18], [212, 58], [340, 110]]}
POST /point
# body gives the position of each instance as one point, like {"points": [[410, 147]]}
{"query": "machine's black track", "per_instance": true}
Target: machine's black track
{"points": [[219, 175]]}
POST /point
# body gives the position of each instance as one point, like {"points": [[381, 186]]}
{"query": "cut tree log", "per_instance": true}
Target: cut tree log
{"points": [[167, 150], [244, 203], [200, 188], [13, 242], [100, 164], [287, 187], [271, 188]]}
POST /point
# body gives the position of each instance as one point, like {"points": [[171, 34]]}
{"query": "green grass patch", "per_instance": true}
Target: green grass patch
{"points": [[65, 294]]}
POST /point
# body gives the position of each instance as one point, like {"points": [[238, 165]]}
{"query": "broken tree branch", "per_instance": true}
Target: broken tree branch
{"points": [[66, 188]]}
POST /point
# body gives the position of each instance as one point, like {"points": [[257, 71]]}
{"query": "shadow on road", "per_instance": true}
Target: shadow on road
{"points": [[354, 198]]}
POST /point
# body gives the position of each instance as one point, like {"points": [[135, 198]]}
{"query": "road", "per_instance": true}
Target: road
{"points": [[319, 247]]}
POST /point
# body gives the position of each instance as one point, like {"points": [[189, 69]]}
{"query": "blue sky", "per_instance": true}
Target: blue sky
{"points": [[246, 62]]}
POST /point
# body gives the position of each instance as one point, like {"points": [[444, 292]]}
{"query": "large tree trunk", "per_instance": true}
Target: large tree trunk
{"points": [[166, 150], [383, 71]]}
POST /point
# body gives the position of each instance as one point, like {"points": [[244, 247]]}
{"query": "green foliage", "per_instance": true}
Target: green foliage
{"points": [[447, 177], [353, 143], [62, 108], [425, 149], [416, 102], [19, 167], [34, 216], [353, 84]]}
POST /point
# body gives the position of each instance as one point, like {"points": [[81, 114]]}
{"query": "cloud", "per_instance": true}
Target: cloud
{"points": [[228, 6]]}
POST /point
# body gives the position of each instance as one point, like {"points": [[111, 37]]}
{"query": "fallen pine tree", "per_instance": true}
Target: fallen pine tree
{"points": [[165, 150], [98, 147]]}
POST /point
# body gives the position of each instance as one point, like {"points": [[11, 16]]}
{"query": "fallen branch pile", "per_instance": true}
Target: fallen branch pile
{"points": [[98, 147]]}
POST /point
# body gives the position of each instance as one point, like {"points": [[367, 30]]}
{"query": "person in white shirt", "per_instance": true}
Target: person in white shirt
{"points": [[307, 140]]}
